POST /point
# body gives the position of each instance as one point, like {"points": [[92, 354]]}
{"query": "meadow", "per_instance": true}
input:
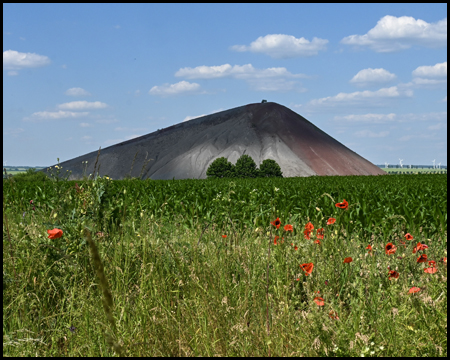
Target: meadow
{"points": [[318, 266]]}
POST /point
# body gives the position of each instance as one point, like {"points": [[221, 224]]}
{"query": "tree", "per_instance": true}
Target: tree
{"points": [[270, 168], [246, 167], [220, 168]]}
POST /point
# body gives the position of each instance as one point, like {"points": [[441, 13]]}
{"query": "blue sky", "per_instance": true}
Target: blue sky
{"points": [[80, 76]]}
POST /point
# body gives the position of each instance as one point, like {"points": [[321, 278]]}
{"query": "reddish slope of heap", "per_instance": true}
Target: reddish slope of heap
{"points": [[263, 131]]}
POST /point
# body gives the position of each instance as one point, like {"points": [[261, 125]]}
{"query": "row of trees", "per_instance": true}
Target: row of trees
{"points": [[245, 168]]}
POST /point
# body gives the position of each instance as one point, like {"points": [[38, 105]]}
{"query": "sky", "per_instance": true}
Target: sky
{"points": [[77, 77]]}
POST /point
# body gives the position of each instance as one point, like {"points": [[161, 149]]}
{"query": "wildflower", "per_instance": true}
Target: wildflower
{"points": [[430, 270], [276, 223], [309, 226], [432, 263], [408, 236], [295, 247], [319, 233], [443, 260], [369, 247], [224, 236], [348, 260], [333, 315], [319, 301], [288, 227], [307, 234], [393, 274], [275, 240], [390, 249], [342, 205], [331, 221], [31, 201], [414, 290], [307, 268], [54, 234], [422, 258], [317, 242], [419, 247]]}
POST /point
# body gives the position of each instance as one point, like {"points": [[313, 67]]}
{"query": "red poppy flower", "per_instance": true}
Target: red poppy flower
{"points": [[319, 233], [342, 205], [418, 247], [309, 226], [333, 315], [31, 201], [224, 236], [430, 270], [348, 260], [288, 227], [424, 246], [414, 290], [54, 234], [317, 242], [408, 236], [307, 234], [275, 240], [369, 247], [295, 247], [390, 249], [422, 258], [307, 268], [276, 223], [331, 221], [393, 274], [432, 263], [319, 301], [443, 260]]}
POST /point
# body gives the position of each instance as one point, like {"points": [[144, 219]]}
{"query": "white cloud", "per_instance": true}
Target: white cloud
{"points": [[82, 105], [438, 126], [361, 97], [13, 131], [367, 118], [52, 115], [270, 79], [237, 71], [397, 33], [14, 60], [438, 70], [367, 77], [13, 73], [187, 118], [174, 89], [280, 46], [371, 134], [76, 91], [83, 124]]}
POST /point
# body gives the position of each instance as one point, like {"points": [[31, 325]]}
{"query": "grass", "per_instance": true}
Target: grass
{"points": [[150, 287]]}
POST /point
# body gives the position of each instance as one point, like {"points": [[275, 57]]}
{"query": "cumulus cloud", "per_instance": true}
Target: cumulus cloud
{"points": [[368, 77], [438, 70], [52, 115], [270, 79], [237, 71], [76, 91], [367, 118], [280, 46], [181, 87], [14, 60], [397, 33], [82, 105], [361, 97]]}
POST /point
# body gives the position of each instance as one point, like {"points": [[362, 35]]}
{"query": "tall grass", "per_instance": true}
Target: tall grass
{"points": [[169, 290]]}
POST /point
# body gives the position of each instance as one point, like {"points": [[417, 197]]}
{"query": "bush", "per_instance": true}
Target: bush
{"points": [[270, 168], [220, 168], [31, 175], [246, 167]]}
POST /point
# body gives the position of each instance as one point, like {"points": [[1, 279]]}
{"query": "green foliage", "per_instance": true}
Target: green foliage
{"points": [[270, 168], [220, 168], [246, 168], [31, 175]]}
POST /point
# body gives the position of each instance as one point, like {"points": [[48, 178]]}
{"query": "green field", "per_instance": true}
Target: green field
{"points": [[406, 170], [192, 267]]}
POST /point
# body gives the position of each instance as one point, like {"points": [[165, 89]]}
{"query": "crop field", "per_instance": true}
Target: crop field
{"points": [[318, 266]]}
